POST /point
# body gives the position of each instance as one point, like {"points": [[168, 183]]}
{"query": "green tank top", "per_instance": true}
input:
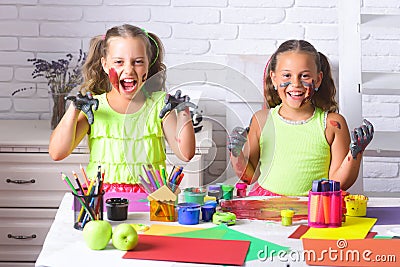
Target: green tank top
{"points": [[293, 155], [122, 143]]}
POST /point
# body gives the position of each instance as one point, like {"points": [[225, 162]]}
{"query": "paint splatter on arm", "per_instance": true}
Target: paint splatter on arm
{"points": [[335, 124]]}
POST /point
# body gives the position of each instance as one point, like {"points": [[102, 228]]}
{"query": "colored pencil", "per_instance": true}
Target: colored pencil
{"points": [[151, 179], [64, 177], [84, 175], [78, 183]]}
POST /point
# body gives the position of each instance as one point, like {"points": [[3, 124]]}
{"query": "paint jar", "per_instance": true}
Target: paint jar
{"points": [[215, 191], [194, 195], [287, 217], [212, 203], [227, 191], [207, 212], [241, 189], [117, 209], [188, 213], [356, 205]]}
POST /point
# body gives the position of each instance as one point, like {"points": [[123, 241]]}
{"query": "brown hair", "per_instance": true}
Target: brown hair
{"points": [[97, 81], [324, 98]]}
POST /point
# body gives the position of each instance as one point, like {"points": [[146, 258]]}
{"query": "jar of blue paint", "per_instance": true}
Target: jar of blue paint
{"points": [[188, 213]]}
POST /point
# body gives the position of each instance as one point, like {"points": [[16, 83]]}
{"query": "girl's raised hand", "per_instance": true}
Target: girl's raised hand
{"points": [[361, 137]]}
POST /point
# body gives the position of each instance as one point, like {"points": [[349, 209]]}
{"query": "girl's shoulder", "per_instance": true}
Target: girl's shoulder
{"points": [[333, 116], [335, 122]]}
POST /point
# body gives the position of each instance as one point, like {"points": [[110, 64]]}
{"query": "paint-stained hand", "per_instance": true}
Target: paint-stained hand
{"points": [[361, 137], [85, 103], [178, 102], [236, 140]]}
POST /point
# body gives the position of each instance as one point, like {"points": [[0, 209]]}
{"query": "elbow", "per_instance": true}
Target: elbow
{"points": [[56, 156], [187, 156]]}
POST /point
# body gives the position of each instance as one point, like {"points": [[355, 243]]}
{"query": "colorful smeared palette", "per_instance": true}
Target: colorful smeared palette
{"points": [[266, 209]]}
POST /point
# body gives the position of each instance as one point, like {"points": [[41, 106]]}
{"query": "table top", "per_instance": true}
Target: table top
{"points": [[64, 244]]}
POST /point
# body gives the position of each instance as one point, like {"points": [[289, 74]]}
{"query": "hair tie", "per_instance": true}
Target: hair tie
{"points": [[154, 41], [103, 37]]}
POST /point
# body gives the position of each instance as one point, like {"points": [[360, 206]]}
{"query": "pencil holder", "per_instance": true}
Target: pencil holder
{"points": [[87, 208], [162, 204], [162, 211], [325, 209]]}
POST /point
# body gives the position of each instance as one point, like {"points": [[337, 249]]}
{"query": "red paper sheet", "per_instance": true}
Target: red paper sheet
{"points": [[194, 250]]}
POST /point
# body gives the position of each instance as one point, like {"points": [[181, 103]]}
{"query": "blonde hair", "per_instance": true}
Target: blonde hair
{"points": [[97, 81], [324, 98]]}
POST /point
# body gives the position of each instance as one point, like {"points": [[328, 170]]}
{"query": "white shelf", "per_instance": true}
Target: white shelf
{"points": [[380, 83], [384, 144]]}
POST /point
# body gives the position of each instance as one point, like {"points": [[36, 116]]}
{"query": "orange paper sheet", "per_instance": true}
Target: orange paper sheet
{"points": [[365, 252], [353, 228]]}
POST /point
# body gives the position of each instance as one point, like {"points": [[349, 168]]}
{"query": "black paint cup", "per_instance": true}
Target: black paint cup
{"points": [[117, 209]]}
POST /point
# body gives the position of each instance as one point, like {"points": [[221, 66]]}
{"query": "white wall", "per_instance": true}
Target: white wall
{"points": [[235, 33]]}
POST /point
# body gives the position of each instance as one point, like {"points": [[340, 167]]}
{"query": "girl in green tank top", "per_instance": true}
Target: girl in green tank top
{"points": [[125, 73], [300, 137]]}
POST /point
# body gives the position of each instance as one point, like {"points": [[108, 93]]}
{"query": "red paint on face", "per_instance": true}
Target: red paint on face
{"points": [[348, 158], [335, 124], [113, 76]]}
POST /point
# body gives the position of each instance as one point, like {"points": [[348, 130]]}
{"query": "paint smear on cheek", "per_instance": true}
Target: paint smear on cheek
{"points": [[335, 124], [113, 76]]}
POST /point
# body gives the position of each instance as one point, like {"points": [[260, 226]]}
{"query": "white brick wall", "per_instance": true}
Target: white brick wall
{"points": [[241, 34]]}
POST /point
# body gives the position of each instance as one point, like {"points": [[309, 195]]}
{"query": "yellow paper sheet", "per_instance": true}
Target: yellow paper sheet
{"points": [[162, 229], [353, 228]]}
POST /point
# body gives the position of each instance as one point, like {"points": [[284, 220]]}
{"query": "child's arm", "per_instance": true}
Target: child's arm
{"points": [[245, 164], [344, 167], [68, 133], [179, 133]]}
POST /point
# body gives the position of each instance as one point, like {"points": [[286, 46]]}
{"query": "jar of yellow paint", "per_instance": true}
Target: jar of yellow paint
{"points": [[356, 205], [287, 217]]}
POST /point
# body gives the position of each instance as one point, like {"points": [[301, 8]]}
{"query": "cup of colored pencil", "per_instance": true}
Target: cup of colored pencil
{"points": [[154, 178], [88, 197]]}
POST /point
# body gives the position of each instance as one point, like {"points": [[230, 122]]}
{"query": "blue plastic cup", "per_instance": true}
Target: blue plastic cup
{"points": [[188, 213], [207, 211]]}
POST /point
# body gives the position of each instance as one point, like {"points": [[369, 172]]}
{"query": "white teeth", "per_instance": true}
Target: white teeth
{"points": [[295, 93], [128, 80]]}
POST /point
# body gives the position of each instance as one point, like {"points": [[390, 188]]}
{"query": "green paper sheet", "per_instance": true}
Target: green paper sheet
{"points": [[224, 232], [353, 228]]}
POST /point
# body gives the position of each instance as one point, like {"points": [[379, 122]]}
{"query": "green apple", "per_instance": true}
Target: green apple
{"points": [[97, 234], [124, 237]]}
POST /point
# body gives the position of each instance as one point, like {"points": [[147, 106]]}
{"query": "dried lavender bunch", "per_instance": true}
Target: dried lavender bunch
{"points": [[60, 78]]}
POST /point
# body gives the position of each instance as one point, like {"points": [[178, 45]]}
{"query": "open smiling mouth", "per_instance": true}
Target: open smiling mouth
{"points": [[129, 85], [296, 94]]}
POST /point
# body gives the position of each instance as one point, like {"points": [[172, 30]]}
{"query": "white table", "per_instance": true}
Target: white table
{"points": [[64, 246]]}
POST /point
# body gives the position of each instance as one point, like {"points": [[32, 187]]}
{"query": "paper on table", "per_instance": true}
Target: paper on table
{"points": [[196, 250], [302, 229], [385, 215], [162, 229], [353, 228], [224, 232]]}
